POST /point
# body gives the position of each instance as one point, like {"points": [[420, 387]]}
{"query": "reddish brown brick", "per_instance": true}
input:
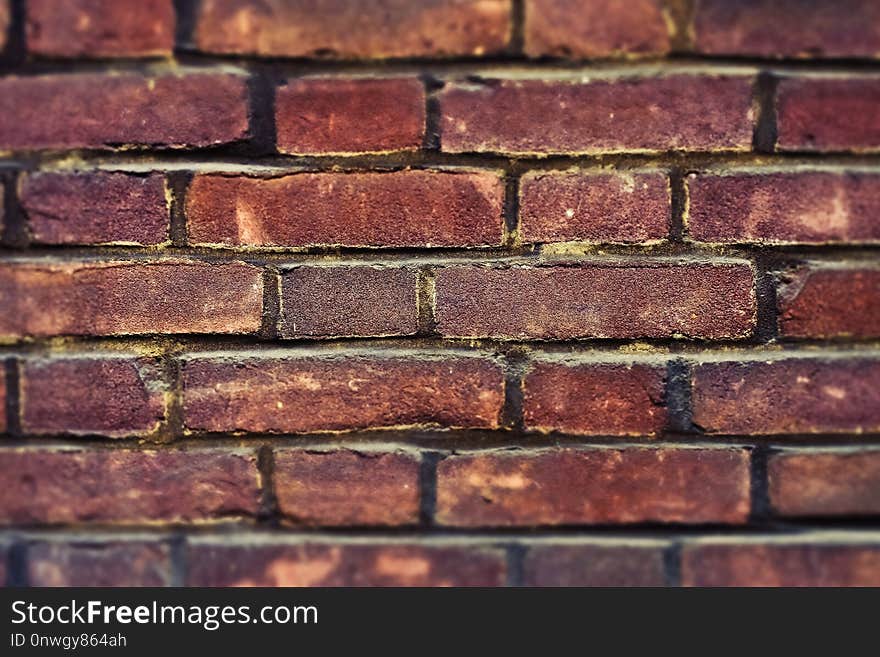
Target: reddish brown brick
{"points": [[605, 564], [816, 114], [93, 563], [100, 28], [825, 483], [628, 114], [348, 301], [90, 110], [340, 29], [317, 116], [596, 301], [397, 209], [598, 28], [302, 394], [788, 396], [594, 486], [347, 488], [95, 208], [785, 208], [788, 28], [824, 303], [619, 400], [119, 298], [341, 564], [52, 486], [559, 207], [86, 395]]}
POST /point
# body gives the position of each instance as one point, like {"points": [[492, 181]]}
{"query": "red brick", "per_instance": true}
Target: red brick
{"points": [[788, 396], [811, 207], [599, 208], [816, 114], [100, 28], [595, 565], [91, 110], [341, 116], [593, 486], [598, 28], [618, 400], [348, 301], [347, 488], [340, 564], [825, 303], [596, 301], [340, 29], [825, 483], [788, 28], [303, 394], [109, 396], [52, 486], [93, 563], [781, 564], [606, 115], [123, 298], [95, 208], [397, 209]]}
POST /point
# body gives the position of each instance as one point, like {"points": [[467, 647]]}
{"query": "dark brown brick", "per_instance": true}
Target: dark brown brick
{"points": [[95, 563], [397, 209], [606, 564]]}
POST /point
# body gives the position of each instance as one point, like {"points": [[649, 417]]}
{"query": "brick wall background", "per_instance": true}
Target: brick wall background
{"points": [[471, 292]]}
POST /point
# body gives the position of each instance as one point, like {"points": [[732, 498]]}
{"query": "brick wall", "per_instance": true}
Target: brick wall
{"points": [[464, 292]]}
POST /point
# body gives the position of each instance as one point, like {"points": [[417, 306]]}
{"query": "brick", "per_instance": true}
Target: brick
{"points": [[539, 117], [787, 396], [347, 488], [816, 114], [100, 28], [788, 28], [781, 564], [596, 301], [784, 208], [618, 400], [340, 29], [825, 483], [90, 110], [593, 486], [398, 209], [55, 486], [595, 565], [95, 208], [346, 116], [303, 394], [129, 298], [340, 564], [108, 396], [114, 563], [826, 303], [598, 28], [329, 302]]}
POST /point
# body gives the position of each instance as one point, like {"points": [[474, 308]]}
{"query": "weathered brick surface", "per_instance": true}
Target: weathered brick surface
{"points": [[92, 110], [119, 563], [397, 209], [296, 394], [51, 486], [590, 207], [119, 298], [595, 565], [604, 399], [95, 208], [594, 486], [598, 301], [605, 115], [788, 396], [315, 116], [349, 301], [100, 28]]}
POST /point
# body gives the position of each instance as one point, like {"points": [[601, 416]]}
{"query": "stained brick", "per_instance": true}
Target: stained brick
{"points": [[604, 564], [95, 563]]}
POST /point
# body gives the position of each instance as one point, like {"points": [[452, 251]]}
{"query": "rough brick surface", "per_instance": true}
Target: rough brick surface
{"points": [[595, 565], [128, 563], [596, 486], [403, 208]]}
